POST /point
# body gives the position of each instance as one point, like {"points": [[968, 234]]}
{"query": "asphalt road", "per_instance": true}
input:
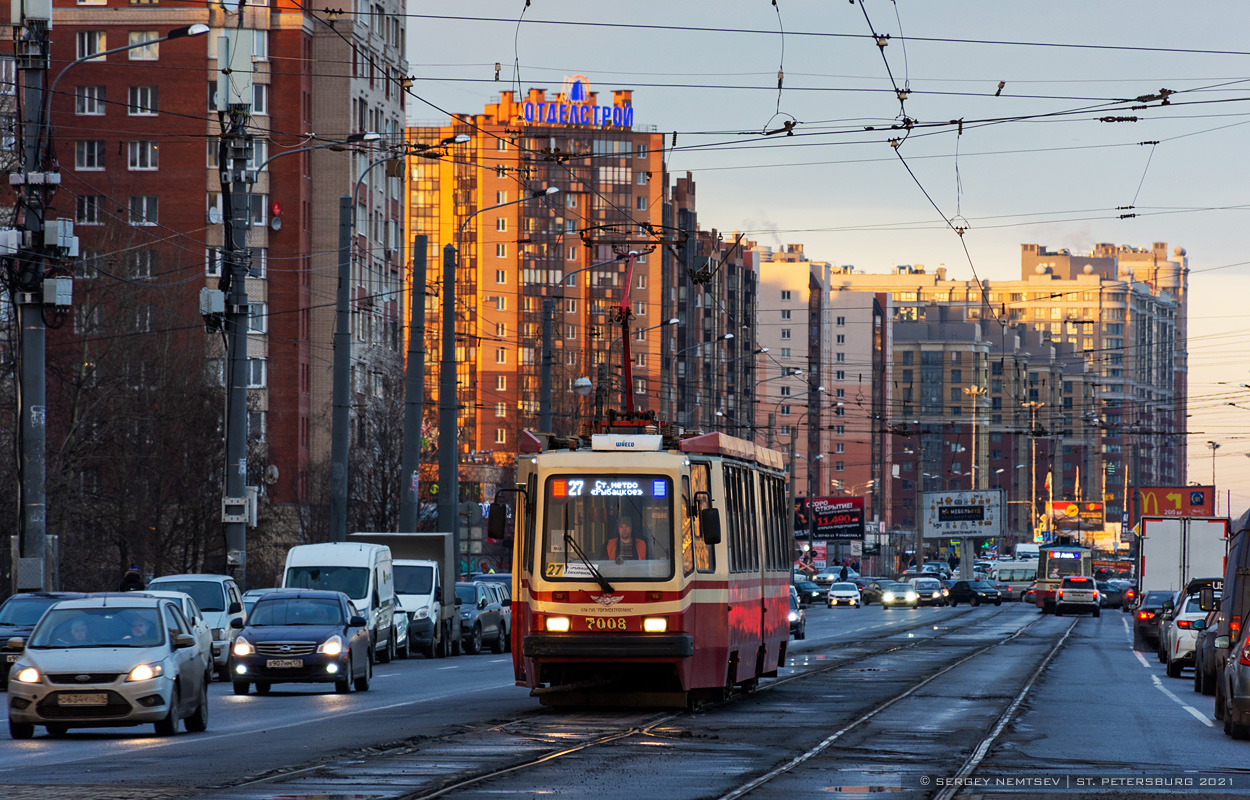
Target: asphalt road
{"points": [[1098, 711]]}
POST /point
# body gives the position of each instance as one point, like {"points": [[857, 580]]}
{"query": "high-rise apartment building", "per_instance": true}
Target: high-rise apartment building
{"points": [[519, 246]]}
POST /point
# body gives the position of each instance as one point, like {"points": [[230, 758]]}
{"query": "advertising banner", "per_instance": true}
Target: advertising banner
{"points": [[972, 513], [838, 519], [1067, 516], [1171, 501]]}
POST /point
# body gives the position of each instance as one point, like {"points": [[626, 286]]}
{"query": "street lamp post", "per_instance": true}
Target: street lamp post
{"points": [[1216, 500], [448, 400], [34, 181], [1033, 406]]}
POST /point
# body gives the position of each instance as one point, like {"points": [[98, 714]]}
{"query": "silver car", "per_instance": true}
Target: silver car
{"points": [[107, 662]]}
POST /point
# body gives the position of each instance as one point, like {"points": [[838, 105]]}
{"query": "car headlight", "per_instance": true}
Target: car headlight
{"points": [[794, 616], [145, 672], [911, 596], [423, 613], [946, 592], [888, 597], [332, 646], [242, 647], [937, 594], [466, 614], [219, 634], [27, 675]]}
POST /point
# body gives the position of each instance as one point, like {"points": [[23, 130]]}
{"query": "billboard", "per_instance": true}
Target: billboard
{"points": [[1066, 516], [1171, 501], [956, 514], [838, 519]]}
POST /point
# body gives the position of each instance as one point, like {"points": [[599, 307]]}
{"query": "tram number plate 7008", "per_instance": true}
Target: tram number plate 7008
{"points": [[606, 624]]}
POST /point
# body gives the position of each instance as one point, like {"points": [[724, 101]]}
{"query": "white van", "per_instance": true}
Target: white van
{"points": [[361, 571], [1027, 551]]}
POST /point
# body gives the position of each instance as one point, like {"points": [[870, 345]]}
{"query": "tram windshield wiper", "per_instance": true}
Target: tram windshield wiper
{"points": [[570, 542]]}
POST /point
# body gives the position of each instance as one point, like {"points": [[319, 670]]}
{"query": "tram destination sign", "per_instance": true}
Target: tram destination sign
{"points": [[951, 515], [839, 519]]}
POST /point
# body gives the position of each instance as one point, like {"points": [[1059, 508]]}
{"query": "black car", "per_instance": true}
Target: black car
{"points": [[810, 592], [301, 636], [1205, 655], [1146, 619], [974, 593], [930, 591], [798, 620], [1111, 594], [871, 591], [18, 616]]}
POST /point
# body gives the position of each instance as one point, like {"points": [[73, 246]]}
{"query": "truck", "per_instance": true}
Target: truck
{"points": [[1174, 550], [425, 569]]}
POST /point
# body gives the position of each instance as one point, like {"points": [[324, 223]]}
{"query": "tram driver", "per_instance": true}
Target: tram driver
{"points": [[625, 547]]}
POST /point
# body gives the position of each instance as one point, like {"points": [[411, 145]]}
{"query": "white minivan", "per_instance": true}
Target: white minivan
{"points": [[361, 571]]}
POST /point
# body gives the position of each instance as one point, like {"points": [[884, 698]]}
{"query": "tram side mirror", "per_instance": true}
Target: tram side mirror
{"points": [[1206, 599], [497, 521], [709, 523]]}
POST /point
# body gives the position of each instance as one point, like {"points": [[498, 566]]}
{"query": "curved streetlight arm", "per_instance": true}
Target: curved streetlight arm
{"points": [[355, 138], [184, 32]]}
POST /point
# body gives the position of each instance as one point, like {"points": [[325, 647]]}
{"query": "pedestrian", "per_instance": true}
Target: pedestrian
{"points": [[132, 581], [911, 563], [842, 573]]}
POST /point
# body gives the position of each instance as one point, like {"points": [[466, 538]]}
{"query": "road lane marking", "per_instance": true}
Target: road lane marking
{"points": [[451, 667], [1197, 714], [1142, 659], [500, 660]]}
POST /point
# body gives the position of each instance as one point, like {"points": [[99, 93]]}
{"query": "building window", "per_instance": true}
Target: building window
{"points": [[785, 334], [89, 155], [90, 43], [501, 224], [256, 373], [570, 306], [785, 391], [841, 321], [640, 282], [147, 52], [785, 313], [501, 355], [839, 357], [142, 264], [255, 419], [839, 375], [840, 430], [501, 145], [501, 276], [957, 411], [501, 198], [501, 383], [260, 97], [641, 203], [570, 254], [89, 208], [640, 386], [501, 330], [839, 466], [501, 436], [501, 250], [840, 393], [257, 317], [501, 409], [143, 156], [143, 210], [501, 303], [783, 410], [89, 101], [785, 352], [260, 47], [143, 101], [839, 448], [841, 339], [640, 309], [784, 430], [785, 294]]}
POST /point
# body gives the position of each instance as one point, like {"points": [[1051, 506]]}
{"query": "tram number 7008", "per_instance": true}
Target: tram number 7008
{"points": [[606, 623]]}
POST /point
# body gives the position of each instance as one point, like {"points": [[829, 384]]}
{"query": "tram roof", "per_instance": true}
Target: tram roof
{"points": [[721, 444]]}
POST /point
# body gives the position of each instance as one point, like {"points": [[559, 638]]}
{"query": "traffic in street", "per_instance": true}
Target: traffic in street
{"points": [[890, 701]]}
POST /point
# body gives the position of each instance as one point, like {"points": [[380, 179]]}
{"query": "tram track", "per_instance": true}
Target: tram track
{"points": [[646, 725]]}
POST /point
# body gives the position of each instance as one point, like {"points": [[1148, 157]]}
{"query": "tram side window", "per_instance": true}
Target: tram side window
{"points": [[734, 518], [772, 519], [753, 518], [701, 487], [687, 528]]}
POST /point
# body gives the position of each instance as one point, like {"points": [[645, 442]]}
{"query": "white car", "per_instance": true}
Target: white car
{"points": [[110, 661], [1181, 636], [844, 594], [221, 601], [199, 626]]}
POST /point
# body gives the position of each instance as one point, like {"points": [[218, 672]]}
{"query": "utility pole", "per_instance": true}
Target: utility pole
{"points": [[544, 397], [448, 402], [234, 107], [340, 413], [1033, 406], [414, 393]]}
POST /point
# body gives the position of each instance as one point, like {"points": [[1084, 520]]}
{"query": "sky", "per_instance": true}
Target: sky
{"points": [[1033, 163]]}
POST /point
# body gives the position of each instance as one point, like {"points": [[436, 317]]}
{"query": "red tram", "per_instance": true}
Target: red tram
{"points": [[625, 592], [1055, 562]]}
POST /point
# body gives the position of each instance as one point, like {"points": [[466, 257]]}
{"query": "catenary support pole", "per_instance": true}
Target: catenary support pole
{"points": [[544, 396], [341, 413], [414, 393], [448, 402]]}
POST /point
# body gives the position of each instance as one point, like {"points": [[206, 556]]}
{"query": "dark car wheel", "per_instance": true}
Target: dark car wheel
{"points": [[1097, 612], [198, 722], [998, 602], [21, 730], [802, 634], [169, 725], [1209, 683], [976, 601], [362, 683], [1198, 681], [262, 687], [1219, 698], [242, 687], [1174, 669], [386, 653], [500, 642], [474, 645]]}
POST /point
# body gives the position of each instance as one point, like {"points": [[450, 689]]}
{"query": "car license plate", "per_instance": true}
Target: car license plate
{"points": [[284, 663], [11, 657], [93, 699]]}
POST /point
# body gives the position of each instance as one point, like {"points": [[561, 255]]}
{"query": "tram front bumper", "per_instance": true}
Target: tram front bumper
{"points": [[579, 645]]}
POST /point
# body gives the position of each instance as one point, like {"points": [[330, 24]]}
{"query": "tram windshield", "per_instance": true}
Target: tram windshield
{"points": [[621, 524], [1061, 563]]}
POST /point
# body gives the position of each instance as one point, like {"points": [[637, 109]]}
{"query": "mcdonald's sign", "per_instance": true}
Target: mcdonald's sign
{"points": [[1172, 501]]}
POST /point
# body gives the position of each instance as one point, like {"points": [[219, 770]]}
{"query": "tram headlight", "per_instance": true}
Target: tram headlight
{"points": [[558, 624], [654, 624]]}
